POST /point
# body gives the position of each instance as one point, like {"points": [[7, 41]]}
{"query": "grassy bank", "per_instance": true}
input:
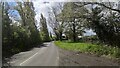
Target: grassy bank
{"points": [[99, 50]]}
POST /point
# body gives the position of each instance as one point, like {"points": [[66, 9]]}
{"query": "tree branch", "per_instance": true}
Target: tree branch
{"points": [[101, 4]]}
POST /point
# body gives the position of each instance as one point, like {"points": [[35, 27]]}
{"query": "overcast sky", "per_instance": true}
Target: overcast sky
{"points": [[43, 6]]}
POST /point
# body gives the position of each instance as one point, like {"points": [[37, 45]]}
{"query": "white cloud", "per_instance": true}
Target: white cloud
{"points": [[89, 32], [42, 7]]}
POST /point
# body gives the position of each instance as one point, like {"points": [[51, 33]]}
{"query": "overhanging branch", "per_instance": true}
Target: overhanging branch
{"points": [[101, 4]]}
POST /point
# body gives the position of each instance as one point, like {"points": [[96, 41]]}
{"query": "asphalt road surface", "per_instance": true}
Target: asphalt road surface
{"points": [[46, 55], [51, 55]]}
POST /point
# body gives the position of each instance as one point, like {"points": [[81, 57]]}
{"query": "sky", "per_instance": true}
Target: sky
{"points": [[40, 8], [43, 6]]}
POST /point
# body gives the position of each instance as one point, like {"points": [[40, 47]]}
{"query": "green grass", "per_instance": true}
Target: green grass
{"points": [[113, 52]]}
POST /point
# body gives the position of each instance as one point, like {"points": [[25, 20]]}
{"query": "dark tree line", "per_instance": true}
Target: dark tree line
{"points": [[23, 34]]}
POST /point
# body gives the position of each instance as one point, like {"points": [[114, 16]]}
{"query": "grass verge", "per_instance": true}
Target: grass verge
{"points": [[99, 50]]}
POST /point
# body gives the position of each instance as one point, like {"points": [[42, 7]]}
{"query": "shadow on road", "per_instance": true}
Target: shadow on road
{"points": [[42, 45], [6, 60]]}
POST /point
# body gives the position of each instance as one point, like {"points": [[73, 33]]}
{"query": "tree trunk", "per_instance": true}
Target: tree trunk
{"points": [[57, 36], [74, 33], [60, 36]]}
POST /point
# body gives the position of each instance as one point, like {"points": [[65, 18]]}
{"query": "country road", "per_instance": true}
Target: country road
{"points": [[51, 55], [46, 55]]}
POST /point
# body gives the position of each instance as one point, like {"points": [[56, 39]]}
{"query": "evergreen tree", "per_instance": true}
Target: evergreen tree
{"points": [[44, 29], [6, 30]]}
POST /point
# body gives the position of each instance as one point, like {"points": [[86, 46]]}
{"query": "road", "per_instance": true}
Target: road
{"points": [[46, 55]]}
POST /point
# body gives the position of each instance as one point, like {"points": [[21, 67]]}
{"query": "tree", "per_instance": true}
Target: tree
{"points": [[19, 36], [72, 13], [103, 18], [28, 17], [6, 29], [106, 26], [103, 4], [54, 21], [44, 29]]}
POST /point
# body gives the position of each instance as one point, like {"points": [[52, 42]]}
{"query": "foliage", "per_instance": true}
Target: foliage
{"points": [[101, 18], [71, 16], [106, 27], [56, 22], [22, 35], [44, 31], [91, 39], [90, 48], [6, 38]]}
